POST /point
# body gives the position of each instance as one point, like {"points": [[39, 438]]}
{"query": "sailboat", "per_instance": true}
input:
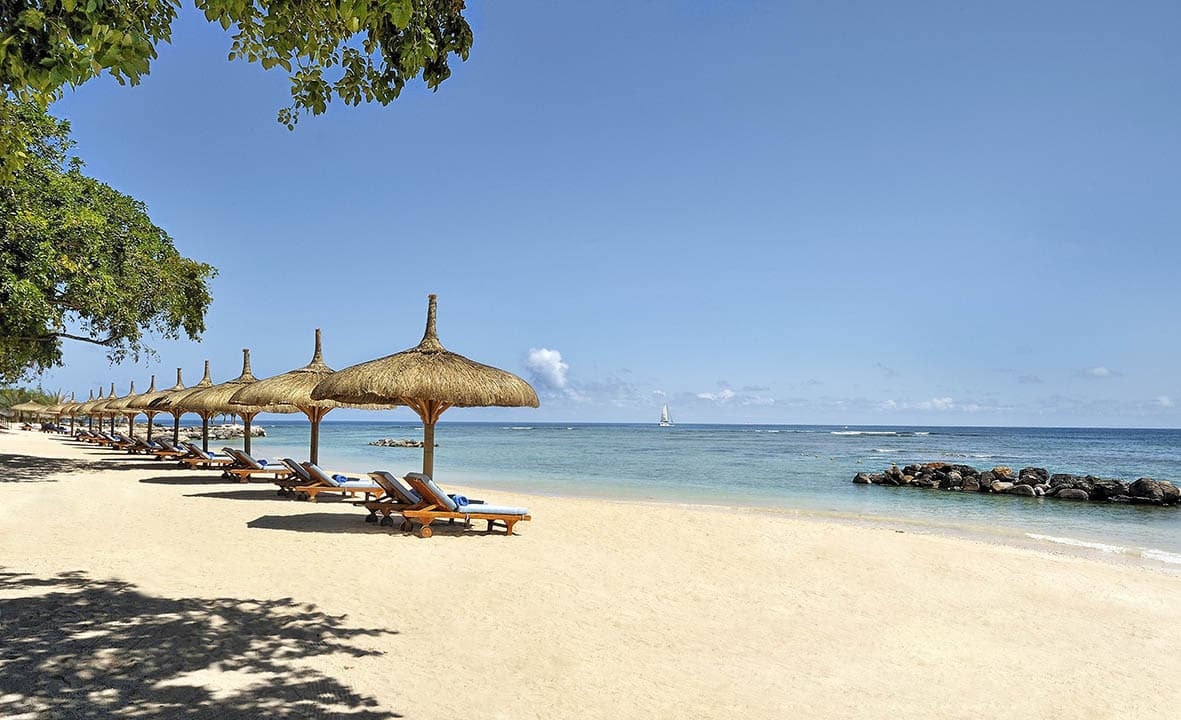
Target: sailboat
{"points": [[665, 421]]}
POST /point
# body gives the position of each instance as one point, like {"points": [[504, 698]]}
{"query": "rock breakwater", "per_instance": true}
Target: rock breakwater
{"points": [[1032, 482]]}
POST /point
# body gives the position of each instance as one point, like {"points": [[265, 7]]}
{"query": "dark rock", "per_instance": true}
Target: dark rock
{"points": [[914, 470], [1171, 492], [1107, 489], [1147, 490], [1039, 490], [925, 481], [951, 480], [1036, 474], [999, 486], [861, 479], [971, 485], [987, 478], [1021, 489], [1072, 494]]}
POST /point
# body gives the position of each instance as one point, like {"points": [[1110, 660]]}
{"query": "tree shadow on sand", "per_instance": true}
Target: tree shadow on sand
{"points": [[28, 468], [73, 647]]}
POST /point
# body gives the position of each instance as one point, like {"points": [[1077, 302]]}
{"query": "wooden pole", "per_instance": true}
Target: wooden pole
{"points": [[150, 416], [205, 432], [428, 449], [246, 418], [175, 428]]}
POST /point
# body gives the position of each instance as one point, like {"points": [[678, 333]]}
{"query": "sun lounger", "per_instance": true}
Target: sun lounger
{"points": [[438, 505], [209, 461], [247, 467], [143, 446], [168, 450], [396, 497], [325, 482]]}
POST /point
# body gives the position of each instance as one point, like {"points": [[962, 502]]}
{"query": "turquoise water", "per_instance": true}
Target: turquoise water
{"points": [[807, 468]]}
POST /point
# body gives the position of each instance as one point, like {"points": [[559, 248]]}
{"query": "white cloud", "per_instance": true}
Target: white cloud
{"points": [[758, 400], [722, 396], [547, 368], [1164, 401], [941, 403], [1100, 372]]}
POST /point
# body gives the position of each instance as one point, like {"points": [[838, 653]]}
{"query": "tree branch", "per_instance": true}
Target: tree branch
{"points": [[68, 336]]}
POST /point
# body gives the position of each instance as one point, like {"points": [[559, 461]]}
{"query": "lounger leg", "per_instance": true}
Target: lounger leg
{"points": [[508, 524]]}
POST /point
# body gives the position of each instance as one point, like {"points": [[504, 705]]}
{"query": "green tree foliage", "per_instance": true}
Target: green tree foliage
{"points": [[352, 49], [81, 261], [10, 396]]}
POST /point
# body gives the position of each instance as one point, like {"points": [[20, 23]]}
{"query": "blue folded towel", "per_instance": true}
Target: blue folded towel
{"points": [[262, 462], [460, 500], [340, 478]]}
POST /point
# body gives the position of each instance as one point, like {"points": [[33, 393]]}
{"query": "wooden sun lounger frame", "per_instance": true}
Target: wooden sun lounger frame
{"points": [[310, 492], [430, 511], [195, 461], [245, 473]]}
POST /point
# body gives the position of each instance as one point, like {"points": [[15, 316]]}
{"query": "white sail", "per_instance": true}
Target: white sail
{"points": [[664, 418]]}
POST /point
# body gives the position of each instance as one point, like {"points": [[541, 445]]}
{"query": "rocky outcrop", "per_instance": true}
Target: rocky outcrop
{"points": [[391, 442], [1031, 482], [223, 432]]}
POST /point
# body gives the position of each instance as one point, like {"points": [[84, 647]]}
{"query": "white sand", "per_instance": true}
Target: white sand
{"points": [[595, 610]]}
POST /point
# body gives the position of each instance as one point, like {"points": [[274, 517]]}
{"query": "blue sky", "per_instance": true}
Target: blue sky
{"points": [[854, 212]]}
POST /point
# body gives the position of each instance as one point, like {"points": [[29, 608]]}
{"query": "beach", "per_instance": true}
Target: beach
{"points": [[136, 586]]}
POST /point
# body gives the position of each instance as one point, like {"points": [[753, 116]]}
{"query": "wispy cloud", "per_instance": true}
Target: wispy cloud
{"points": [[1100, 372], [546, 368], [1164, 401], [1029, 380], [721, 397], [887, 371]]}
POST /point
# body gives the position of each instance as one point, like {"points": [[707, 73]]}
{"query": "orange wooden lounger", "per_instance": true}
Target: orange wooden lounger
{"points": [[438, 505]]}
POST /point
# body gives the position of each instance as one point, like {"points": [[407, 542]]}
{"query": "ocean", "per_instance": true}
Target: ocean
{"points": [[803, 469]]}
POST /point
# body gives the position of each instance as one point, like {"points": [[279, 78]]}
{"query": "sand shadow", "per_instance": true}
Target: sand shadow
{"points": [[256, 494], [80, 648], [190, 480], [332, 523], [28, 468], [336, 523]]}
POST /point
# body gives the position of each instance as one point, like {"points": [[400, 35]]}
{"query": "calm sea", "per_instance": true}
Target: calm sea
{"points": [[793, 468]]}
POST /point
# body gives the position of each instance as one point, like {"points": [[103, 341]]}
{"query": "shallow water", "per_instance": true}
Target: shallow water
{"points": [[807, 468]]}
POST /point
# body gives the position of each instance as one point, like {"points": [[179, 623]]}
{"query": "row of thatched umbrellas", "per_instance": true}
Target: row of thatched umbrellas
{"points": [[427, 378]]}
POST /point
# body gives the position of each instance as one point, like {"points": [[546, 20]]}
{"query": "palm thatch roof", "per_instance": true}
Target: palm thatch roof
{"points": [[169, 400], [30, 407], [100, 406], [118, 406], [143, 401], [59, 408], [426, 373], [293, 390], [216, 399], [74, 409], [89, 408]]}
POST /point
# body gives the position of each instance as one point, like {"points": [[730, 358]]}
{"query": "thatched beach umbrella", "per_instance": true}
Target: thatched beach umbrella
{"points": [[100, 407], [29, 408], [292, 391], [79, 408], [428, 379], [146, 402], [66, 408], [210, 401], [171, 402], [89, 409], [121, 407]]}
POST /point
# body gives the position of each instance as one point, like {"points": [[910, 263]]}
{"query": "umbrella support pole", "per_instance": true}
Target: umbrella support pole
{"points": [[246, 435], [205, 433], [130, 426], [315, 415], [175, 429], [428, 449], [150, 416]]}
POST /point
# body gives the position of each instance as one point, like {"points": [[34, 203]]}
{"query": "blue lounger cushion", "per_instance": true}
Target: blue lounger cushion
{"points": [[493, 510], [447, 501]]}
